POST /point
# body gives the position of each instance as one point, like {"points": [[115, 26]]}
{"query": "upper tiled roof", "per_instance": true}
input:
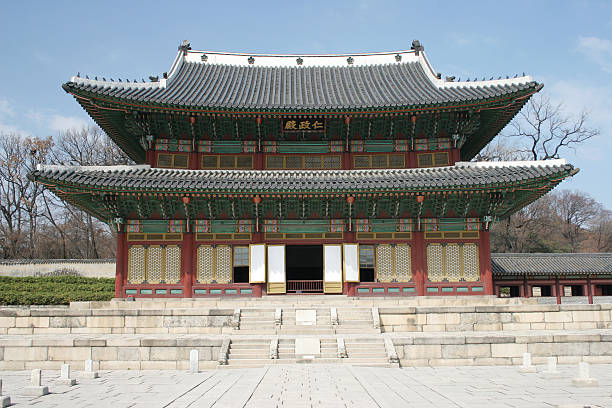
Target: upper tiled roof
{"points": [[551, 264], [462, 175], [320, 82]]}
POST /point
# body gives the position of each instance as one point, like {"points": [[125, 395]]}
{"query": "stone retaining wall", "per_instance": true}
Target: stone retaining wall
{"points": [[109, 353], [504, 349], [495, 318], [48, 320]]}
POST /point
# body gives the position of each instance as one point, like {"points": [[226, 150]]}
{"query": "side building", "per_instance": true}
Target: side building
{"points": [[303, 174]]}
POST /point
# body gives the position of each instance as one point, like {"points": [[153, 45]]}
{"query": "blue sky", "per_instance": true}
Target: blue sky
{"points": [[566, 45]]}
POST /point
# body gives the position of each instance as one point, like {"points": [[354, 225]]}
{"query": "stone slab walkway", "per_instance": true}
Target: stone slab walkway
{"points": [[332, 386]]}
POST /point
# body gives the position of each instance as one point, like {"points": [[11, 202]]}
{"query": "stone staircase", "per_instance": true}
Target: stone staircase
{"points": [[366, 351], [257, 321], [286, 351], [249, 352], [355, 320]]}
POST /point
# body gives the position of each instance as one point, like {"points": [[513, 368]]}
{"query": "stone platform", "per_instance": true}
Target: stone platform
{"points": [[386, 332]]}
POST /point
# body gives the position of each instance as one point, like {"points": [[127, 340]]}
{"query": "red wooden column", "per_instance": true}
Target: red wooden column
{"points": [[486, 273], [558, 290], [589, 290], [121, 264], [187, 261], [150, 158], [418, 261]]}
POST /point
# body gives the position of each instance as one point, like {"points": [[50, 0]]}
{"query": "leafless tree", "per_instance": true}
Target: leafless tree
{"points": [[545, 129], [601, 230], [19, 196]]}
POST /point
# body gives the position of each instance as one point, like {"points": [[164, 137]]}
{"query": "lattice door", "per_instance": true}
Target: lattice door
{"points": [[173, 264], [206, 271], [155, 264], [223, 261], [453, 263], [471, 267], [384, 263], [403, 271], [136, 264], [435, 263]]}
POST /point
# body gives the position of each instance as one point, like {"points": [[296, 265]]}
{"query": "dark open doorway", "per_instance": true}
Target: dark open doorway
{"points": [[304, 266]]}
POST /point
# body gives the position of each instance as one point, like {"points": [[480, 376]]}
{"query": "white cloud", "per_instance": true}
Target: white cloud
{"points": [[598, 50], [60, 123], [5, 108]]}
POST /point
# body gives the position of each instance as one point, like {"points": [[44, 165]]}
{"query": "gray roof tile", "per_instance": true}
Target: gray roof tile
{"points": [[551, 264], [460, 175], [208, 85]]}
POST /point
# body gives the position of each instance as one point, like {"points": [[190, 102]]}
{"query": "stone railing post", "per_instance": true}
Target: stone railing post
{"points": [[274, 348], [391, 354], [333, 312], [236, 319], [341, 348], [376, 318], [278, 316], [224, 352]]}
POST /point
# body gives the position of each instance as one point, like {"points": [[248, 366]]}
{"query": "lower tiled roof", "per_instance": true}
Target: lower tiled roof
{"points": [[551, 264], [460, 176]]}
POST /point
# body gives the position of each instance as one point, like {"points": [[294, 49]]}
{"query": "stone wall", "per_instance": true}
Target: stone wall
{"points": [[90, 268], [495, 318], [108, 352], [64, 320], [503, 348]]}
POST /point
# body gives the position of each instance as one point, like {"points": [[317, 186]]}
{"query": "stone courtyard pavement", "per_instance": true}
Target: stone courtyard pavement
{"points": [[315, 385]]}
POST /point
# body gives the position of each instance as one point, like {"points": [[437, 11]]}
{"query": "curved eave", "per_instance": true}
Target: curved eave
{"points": [[503, 107], [476, 104]]}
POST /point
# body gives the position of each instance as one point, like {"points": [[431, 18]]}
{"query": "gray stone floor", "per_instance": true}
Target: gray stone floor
{"points": [[321, 386]]}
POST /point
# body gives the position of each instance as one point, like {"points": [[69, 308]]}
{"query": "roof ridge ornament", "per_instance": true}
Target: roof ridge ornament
{"points": [[185, 46], [417, 47]]}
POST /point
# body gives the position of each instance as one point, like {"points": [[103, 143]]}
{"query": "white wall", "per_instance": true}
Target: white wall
{"points": [[91, 268]]}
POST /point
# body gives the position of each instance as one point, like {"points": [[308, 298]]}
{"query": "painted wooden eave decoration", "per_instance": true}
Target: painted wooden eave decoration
{"points": [[466, 189]]}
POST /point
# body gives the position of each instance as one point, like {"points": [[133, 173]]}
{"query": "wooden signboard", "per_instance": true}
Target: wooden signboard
{"points": [[303, 124]]}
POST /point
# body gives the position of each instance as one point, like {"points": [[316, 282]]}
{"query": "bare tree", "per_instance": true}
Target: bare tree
{"points": [[601, 230], [87, 146], [19, 196], [576, 210], [545, 129]]}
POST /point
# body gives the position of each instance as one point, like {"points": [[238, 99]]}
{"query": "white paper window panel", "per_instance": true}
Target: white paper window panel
{"points": [[351, 262], [332, 255], [276, 263], [257, 263]]}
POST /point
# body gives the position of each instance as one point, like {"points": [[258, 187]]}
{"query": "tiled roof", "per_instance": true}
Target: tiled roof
{"points": [[279, 83], [462, 175], [551, 264]]}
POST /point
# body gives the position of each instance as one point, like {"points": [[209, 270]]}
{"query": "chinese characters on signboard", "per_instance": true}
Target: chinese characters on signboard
{"points": [[303, 125]]}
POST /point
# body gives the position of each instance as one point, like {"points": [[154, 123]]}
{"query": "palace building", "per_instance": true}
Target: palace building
{"points": [[273, 174]]}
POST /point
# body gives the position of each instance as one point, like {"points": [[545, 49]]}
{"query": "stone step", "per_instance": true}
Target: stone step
{"points": [[233, 350], [355, 330], [257, 331], [248, 356]]}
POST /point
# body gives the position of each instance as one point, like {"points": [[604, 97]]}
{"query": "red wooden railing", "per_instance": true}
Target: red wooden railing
{"points": [[304, 286]]}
